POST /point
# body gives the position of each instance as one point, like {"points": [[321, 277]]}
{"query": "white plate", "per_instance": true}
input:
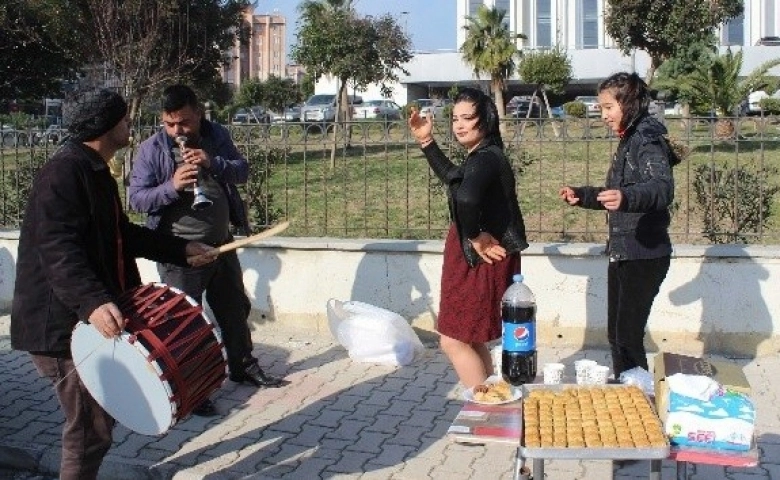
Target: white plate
{"points": [[517, 392]]}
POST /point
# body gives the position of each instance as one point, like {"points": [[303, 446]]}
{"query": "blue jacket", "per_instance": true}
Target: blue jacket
{"points": [[151, 182], [642, 170]]}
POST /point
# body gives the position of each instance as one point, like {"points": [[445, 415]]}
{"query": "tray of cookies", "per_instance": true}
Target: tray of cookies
{"points": [[615, 422]]}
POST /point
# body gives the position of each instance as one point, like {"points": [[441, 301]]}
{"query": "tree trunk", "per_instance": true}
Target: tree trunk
{"points": [[498, 96], [337, 121], [555, 126]]}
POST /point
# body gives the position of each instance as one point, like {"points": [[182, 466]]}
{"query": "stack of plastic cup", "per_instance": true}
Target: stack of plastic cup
{"points": [[553, 373], [598, 374], [582, 369]]}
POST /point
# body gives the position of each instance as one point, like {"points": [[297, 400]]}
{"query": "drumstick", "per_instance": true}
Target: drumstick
{"points": [[246, 241]]}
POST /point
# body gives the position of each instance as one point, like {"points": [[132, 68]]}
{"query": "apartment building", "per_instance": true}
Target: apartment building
{"points": [[579, 24], [265, 52]]}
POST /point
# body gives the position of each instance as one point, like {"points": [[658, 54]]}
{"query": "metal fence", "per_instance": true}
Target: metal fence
{"points": [[369, 179]]}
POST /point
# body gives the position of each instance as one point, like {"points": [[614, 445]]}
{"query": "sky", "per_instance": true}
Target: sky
{"points": [[429, 23]]}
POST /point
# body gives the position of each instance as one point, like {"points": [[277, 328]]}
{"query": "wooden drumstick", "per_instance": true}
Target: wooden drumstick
{"points": [[246, 241]]}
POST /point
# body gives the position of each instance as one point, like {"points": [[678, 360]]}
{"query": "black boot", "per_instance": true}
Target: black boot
{"points": [[254, 375]]}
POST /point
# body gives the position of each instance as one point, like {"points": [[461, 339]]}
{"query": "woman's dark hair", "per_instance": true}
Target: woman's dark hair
{"points": [[631, 93], [176, 97], [487, 113]]}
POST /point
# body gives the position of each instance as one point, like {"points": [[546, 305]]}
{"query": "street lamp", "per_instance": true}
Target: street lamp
{"points": [[405, 16]]}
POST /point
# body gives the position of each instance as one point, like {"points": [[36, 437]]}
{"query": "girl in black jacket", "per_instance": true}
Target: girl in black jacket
{"points": [[637, 195]]}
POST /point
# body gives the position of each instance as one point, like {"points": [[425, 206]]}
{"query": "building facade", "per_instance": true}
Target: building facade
{"points": [[263, 55], [579, 24]]}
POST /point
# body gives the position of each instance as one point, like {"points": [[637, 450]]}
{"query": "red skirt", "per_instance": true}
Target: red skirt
{"points": [[470, 305]]}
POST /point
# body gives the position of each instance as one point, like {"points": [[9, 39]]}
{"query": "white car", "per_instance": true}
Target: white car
{"points": [[432, 106], [754, 101], [592, 107], [384, 109]]}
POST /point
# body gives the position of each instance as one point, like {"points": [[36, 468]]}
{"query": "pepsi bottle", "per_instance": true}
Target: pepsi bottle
{"points": [[518, 317]]}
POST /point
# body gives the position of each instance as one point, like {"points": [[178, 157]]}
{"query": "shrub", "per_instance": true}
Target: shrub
{"points": [[575, 109], [770, 106], [736, 202], [258, 200]]}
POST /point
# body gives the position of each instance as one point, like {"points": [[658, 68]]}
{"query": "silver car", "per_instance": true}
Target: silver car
{"points": [[384, 109]]}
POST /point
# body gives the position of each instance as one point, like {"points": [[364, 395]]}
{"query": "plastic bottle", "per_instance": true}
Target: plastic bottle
{"points": [[518, 315]]}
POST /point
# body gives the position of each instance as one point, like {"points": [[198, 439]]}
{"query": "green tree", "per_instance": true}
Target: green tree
{"points": [[550, 71], [249, 94], [36, 44], [490, 49], [358, 51], [279, 93], [684, 62], [718, 84], [660, 27]]}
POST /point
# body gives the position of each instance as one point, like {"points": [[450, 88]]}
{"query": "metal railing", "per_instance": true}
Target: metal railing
{"points": [[377, 183]]}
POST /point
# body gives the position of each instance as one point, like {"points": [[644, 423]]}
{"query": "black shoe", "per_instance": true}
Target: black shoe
{"points": [[205, 409], [254, 375]]}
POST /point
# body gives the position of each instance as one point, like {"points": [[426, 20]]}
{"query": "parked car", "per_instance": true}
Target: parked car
{"points": [[51, 135], [753, 104], [251, 115], [769, 41], [385, 109], [292, 114], [10, 137], [592, 107], [322, 107], [558, 112], [518, 107], [434, 106]]}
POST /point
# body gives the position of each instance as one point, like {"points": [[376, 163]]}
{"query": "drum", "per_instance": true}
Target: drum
{"points": [[169, 359]]}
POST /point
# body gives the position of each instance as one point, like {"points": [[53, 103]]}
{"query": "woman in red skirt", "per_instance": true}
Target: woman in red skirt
{"points": [[482, 250]]}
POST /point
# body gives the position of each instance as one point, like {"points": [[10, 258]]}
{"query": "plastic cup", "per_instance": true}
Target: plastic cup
{"points": [[582, 369], [553, 373], [598, 374]]}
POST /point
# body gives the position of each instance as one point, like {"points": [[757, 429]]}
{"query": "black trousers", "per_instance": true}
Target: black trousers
{"points": [[222, 281], [86, 435], [631, 288]]}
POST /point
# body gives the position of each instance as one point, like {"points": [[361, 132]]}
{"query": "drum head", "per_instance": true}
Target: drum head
{"points": [[122, 381]]}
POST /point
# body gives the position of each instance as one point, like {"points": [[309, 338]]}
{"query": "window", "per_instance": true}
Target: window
{"points": [[543, 24], [474, 6], [734, 31], [590, 24], [504, 6]]}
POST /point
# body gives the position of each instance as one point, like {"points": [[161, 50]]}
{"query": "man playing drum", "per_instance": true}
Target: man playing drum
{"points": [[190, 151], [76, 256]]}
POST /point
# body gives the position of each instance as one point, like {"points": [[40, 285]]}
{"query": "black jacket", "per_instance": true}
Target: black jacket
{"points": [[481, 196], [641, 169], [68, 250]]}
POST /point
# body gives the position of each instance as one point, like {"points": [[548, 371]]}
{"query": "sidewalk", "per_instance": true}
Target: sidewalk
{"points": [[336, 420]]}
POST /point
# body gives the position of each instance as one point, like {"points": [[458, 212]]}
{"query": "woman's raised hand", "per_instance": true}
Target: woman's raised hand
{"points": [[421, 127]]}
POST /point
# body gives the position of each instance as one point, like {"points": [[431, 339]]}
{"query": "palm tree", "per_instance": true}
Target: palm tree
{"points": [[718, 84], [490, 49]]}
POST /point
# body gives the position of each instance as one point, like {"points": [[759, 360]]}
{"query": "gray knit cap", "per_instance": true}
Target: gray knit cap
{"points": [[93, 113]]}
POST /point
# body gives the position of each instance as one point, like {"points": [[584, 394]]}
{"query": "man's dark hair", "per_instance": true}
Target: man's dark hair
{"points": [[177, 97], [487, 113]]}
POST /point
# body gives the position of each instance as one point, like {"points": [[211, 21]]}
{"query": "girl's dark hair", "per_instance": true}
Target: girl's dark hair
{"points": [[631, 93], [487, 113]]}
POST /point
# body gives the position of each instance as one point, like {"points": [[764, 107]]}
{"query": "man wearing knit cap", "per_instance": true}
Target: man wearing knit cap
{"points": [[76, 256]]}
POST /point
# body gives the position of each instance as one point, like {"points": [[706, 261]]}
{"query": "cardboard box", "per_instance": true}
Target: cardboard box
{"points": [[727, 374], [726, 421]]}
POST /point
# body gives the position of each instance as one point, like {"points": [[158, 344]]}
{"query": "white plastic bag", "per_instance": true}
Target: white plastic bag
{"points": [[373, 334]]}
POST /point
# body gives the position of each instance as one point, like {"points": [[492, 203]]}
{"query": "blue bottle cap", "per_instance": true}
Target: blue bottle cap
{"points": [[517, 277]]}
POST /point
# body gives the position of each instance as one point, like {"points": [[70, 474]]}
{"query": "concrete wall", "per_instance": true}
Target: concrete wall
{"points": [[715, 298]]}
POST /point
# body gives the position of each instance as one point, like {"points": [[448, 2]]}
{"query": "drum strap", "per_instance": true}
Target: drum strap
{"points": [[120, 264]]}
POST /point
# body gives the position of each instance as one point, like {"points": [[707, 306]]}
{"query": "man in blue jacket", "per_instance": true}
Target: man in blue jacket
{"points": [[164, 173]]}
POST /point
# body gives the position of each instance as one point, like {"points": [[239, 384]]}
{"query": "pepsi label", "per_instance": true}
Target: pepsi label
{"points": [[519, 337]]}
